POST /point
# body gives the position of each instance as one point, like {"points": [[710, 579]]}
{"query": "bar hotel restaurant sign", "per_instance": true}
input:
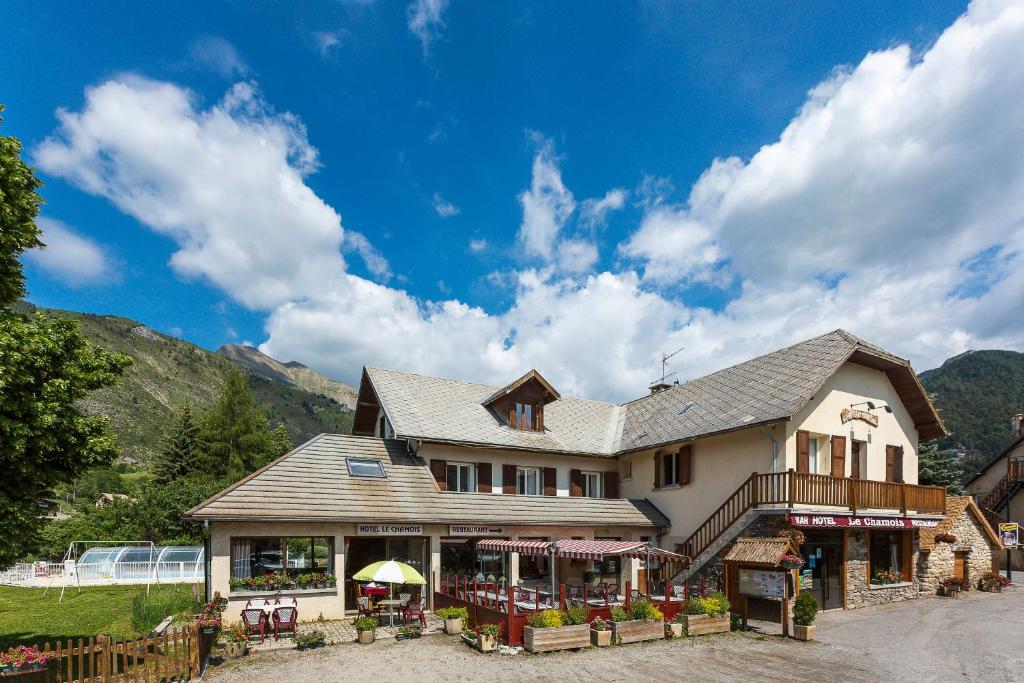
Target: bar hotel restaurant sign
{"points": [[417, 530], [860, 522]]}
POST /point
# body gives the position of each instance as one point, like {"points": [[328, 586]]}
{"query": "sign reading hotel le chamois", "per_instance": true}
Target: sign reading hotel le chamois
{"points": [[862, 522], [475, 530], [389, 529]]}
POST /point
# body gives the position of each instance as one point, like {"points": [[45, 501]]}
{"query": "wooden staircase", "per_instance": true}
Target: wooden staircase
{"points": [[1004, 490], [787, 489]]}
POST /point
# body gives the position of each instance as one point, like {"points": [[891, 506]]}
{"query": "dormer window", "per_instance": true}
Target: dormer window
{"points": [[521, 404]]}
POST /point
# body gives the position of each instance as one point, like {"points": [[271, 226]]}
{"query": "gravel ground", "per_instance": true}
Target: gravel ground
{"points": [[974, 638]]}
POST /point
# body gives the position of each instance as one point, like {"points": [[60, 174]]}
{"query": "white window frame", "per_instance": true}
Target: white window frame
{"points": [[669, 475], [523, 481], [593, 484], [465, 473], [813, 454]]}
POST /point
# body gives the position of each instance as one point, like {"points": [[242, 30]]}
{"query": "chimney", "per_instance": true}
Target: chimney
{"points": [[1017, 425], [659, 387]]}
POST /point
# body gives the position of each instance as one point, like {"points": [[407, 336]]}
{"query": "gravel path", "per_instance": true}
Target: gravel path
{"points": [[923, 640]]}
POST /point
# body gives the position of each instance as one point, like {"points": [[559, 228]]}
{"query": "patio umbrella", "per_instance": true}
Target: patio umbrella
{"points": [[389, 571]]}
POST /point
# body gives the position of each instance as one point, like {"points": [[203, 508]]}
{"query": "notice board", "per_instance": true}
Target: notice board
{"points": [[762, 583]]}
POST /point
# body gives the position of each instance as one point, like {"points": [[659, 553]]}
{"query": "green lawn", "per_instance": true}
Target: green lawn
{"points": [[28, 617]]}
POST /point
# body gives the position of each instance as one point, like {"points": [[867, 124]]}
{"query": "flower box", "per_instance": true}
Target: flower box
{"points": [[704, 624], [803, 632], [453, 626], [556, 638], [638, 630], [600, 638], [486, 643], [674, 630]]}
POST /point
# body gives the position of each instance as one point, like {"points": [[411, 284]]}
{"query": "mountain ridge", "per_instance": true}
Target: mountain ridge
{"points": [[291, 372]]}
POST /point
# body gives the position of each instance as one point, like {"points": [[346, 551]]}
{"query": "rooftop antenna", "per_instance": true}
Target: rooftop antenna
{"points": [[659, 384]]}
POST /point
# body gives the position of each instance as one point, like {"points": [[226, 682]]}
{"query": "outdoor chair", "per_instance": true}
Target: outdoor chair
{"points": [[415, 610], [365, 608], [635, 595], [256, 602], [677, 592], [404, 604], [286, 620], [612, 591], [255, 622], [286, 602]]}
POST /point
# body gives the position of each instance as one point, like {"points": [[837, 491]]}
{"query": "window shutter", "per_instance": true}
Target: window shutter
{"points": [[803, 451], [439, 468], [657, 470], [550, 481], [508, 479], [897, 466], [838, 456], [483, 477], [611, 484], [575, 482], [890, 463], [684, 463]]}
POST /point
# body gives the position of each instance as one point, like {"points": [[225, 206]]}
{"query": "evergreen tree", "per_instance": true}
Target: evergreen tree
{"points": [[180, 454], [938, 468], [46, 369], [237, 437]]}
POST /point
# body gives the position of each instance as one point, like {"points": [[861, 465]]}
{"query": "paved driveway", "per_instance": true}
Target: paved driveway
{"points": [[975, 638]]}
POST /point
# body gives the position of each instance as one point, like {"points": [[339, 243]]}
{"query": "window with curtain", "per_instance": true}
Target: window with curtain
{"points": [[257, 556], [592, 484], [528, 481], [888, 557]]}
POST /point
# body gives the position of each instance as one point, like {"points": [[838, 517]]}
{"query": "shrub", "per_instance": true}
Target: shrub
{"points": [[365, 624], [720, 604], [644, 609], [805, 609], [714, 605], [148, 611], [453, 613], [316, 638], [619, 614], [549, 618], [236, 633], [492, 630], [576, 615]]}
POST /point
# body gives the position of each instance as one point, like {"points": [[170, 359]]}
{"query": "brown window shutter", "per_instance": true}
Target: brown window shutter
{"points": [[684, 464], [576, 482], [439, 468], [890, 463], [657, 470], [897, 466], [611, 484], [508, 479], [838, 456], [550, 481], [483, 477], [803, 451]]}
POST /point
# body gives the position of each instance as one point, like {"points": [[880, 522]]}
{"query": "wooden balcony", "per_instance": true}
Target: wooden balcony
{"points": [[789, 489]]}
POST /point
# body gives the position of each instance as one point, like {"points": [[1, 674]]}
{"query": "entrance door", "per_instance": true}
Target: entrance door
{"points": [[960, 565], [823, 557]]}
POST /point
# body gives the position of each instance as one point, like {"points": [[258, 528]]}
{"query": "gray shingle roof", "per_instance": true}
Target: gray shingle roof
{"points": [[436, 409], [311, 483]]}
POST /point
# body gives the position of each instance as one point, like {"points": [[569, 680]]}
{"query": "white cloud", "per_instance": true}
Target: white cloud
{"points": [[218, 55], [374, 260], [547, 205], [426, 20], [326, 41], [576, 256], [477, 245], [69, 257], [594, 212], [443, 208]]}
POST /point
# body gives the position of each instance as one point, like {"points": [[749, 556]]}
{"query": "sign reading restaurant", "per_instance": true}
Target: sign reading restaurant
{"points": [[861, 522], [475, 530], [389, 529]]}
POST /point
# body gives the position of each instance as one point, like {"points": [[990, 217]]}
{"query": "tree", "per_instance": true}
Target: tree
{"points": [[181, 453], [938, 468], [46, 368], [237, 437]]}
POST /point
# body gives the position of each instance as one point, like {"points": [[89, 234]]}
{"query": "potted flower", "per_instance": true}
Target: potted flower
{"points": [[551, 630], [945, 538], [600, 633], [316, 638], [409, 632], [24, 658], [237, 641], [805, 609], [704, 615], [992, 582], [366, 627], [795, 536], [487, 637], [642, 622], [453, 618], [791, 562]]}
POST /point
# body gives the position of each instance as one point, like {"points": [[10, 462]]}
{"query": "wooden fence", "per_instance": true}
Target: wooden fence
{"points": [[175, 655]]}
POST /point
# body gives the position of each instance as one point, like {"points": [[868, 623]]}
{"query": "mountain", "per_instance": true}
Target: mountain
{"points": [[290, 374], [977, 393], [168, 371]]}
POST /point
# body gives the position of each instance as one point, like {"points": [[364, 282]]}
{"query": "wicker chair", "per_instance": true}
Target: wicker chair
{"points": [[286, 620], [364, 608], [256, 602], [405, 598], [255, 622]]}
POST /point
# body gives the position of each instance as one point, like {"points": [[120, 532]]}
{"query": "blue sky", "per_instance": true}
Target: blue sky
{"points": [[467, 148]]}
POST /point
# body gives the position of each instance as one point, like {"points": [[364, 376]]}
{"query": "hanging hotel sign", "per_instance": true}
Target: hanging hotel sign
{"points": [[475, 530], [862, 415], [1008, 534], [389, 529], [840, 521]]}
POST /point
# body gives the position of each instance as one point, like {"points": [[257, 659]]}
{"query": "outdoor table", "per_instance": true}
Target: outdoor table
{"points": [[390, 604]]}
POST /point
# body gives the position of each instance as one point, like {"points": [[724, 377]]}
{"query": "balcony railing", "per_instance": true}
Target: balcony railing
{"points": [[792, 488]]}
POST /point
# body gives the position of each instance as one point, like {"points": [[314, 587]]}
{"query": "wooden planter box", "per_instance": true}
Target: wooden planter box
{"points": [[557, 638], [600, 638], [803, 632], [702, 624], [481, 642], [453, 627], [674, 630], [638, 630]]}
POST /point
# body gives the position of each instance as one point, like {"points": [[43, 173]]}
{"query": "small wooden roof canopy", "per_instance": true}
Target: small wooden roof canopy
{"points": [[763, 552], [542, 389]]}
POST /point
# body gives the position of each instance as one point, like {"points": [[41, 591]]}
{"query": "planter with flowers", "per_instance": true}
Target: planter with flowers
{"points": [[484, 638], [795, 536], [642, 622], [209, 621], [705, 615], [952, 586], [316, 581], [23, 658], [236, 641], [551, 630], [453, 618], [600, 633], [992, 582], [791, 562], [945, 538], [366, 627]]}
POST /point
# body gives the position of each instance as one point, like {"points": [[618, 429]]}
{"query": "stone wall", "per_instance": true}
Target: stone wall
{"points": [[858, 592], [938, 563]]}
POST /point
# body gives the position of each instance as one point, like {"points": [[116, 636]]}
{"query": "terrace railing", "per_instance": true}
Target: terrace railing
{"points": [[791, 488]]}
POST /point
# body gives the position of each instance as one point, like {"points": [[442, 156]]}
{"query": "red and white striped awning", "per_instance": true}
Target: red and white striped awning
{"points": [[521, 547]]}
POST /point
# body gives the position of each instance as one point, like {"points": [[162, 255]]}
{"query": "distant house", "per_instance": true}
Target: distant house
{"points": [[998, 488], [106, 499], [50, 509]]}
